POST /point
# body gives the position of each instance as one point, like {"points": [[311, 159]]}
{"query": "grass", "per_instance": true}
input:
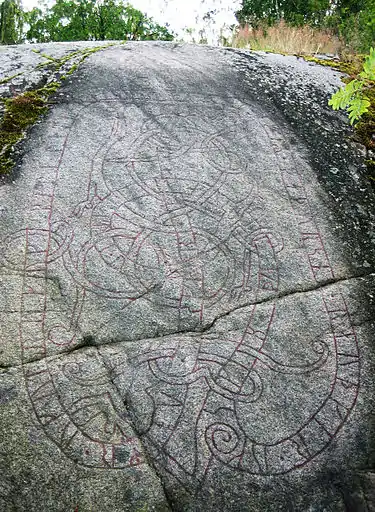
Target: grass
{"points": [[286, 39]]}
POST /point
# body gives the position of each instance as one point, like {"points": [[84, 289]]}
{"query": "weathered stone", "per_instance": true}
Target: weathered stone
{"points": [[187, 291]]}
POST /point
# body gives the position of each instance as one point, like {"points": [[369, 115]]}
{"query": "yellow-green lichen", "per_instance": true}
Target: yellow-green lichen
{"points": [[352, 67]]}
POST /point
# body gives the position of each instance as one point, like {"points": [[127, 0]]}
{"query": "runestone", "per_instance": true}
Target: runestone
{"points": [[181, 301]]}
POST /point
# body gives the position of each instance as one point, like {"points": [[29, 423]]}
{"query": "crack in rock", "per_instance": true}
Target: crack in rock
{"points": [[88, 341], [147, 457]]}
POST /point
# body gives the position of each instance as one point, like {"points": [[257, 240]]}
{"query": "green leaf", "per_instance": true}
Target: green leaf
{"points": [[338, 100], [369, 66], [358, 106], [342, 98]]}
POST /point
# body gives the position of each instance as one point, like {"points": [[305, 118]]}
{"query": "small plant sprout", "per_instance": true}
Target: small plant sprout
{"points": [[353, 97]]}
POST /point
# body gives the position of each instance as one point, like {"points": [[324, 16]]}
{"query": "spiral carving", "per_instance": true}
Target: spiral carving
{"points": [[223, 439]]}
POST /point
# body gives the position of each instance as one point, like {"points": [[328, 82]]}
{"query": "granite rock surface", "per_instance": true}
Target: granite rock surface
{"points": [[187, 288]]}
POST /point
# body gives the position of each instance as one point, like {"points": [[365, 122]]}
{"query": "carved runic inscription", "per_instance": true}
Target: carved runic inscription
{"points": [[179, 235]]}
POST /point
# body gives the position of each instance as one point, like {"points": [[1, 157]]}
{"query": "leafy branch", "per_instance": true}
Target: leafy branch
{"points": [[353, 97]]}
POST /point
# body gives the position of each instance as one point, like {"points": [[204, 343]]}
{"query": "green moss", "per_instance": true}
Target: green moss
{"points": [[72, 69], [365, 134], [349, 67], [9, 78], [371, 170], [49, 57], [144, 508], [22, 111], [365, 131], [49, 89]]}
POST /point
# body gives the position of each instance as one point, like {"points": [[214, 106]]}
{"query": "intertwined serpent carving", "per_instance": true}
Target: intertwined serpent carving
{"points": [[180, 226]]}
